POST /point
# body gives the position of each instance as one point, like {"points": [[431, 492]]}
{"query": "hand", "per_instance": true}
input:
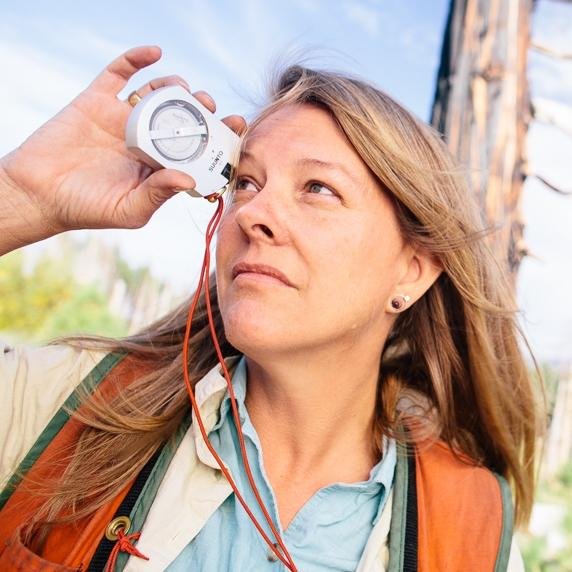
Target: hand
{"points": [[76, 172]]}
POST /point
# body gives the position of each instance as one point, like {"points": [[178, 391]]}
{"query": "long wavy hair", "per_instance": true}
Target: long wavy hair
{"points": [[457, 347]]}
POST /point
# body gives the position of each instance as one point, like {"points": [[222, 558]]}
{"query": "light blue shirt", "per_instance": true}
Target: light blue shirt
{"points": [[328, 533]]}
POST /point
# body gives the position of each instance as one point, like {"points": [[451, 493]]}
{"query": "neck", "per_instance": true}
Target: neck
{"points": [[313, 412]]}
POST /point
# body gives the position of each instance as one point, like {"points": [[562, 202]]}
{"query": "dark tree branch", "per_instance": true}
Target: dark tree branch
{"points": [[550, 185], [547, 51]]}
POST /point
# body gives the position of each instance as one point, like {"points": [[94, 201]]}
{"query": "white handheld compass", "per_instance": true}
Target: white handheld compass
{"points": [[170, 128]]}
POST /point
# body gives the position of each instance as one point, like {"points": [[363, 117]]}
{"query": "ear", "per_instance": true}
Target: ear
{"points": [[421, 269]]}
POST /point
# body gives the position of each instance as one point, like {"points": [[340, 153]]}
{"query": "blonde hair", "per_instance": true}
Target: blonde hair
{"points": [[457, 346]]}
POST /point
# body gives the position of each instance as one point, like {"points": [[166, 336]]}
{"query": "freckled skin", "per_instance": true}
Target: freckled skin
{"points": [[331, 231]]}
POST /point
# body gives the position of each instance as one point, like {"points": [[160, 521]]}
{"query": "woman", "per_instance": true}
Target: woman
{"points": [[379, 381]]}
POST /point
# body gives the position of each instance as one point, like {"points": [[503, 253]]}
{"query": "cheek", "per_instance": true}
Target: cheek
{"points": [[378, 268], [226, 246], [355, 277], [227, 243]]}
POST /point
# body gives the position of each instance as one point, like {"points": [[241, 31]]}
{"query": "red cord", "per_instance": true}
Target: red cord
{"points": [[285, 558], [124, 544]]}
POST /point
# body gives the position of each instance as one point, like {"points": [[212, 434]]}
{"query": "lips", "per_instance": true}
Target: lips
{"points": [[264, 269]]}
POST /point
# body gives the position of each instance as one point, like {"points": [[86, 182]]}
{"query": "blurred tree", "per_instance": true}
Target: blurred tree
{"points": [[27, 297], [86, 312], [482, 107], [133, 277], [44, 301]]}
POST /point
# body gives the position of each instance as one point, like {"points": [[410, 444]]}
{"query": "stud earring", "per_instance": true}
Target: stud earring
{"points": [[400, 301]]}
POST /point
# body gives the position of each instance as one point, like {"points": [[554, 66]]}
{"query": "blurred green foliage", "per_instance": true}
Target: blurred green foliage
{"points": [[45, 301], [565, 478], [550, 379], [131, 276], [84, 312], [536, 552]]}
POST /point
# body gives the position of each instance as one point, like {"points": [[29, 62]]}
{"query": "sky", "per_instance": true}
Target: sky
{"points": [[50, 51]]}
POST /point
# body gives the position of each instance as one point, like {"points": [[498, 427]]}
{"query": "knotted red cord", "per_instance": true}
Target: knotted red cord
{"points": [[124, 544], [285, 558]]}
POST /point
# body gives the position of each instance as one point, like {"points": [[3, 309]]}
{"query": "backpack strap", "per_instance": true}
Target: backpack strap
{"points": [[139, 499], [448, 513], [90, 383], [105, 546], [403, 535], [71, 543], [507, 526]]}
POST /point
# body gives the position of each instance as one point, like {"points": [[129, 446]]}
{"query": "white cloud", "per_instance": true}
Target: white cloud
{"points": [[171, 244], [88, 42], [365, 16], [552, 22], [38, 85], [550, 77], [307, 6], [222, 42]]}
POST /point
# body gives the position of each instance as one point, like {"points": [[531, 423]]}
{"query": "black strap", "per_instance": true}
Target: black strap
{"points": [[99, 560], [411, 532]]}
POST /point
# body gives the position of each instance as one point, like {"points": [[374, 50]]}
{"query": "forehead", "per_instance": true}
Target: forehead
{"points": [[303, 131]]}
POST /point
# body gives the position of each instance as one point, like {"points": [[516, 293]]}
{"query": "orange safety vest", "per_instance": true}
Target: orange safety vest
{"points": [[447, 514]]}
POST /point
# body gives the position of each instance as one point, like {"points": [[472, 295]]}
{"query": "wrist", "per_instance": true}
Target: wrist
{"points": [[21, 220]]}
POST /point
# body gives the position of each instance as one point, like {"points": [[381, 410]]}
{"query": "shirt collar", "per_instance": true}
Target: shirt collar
{"points": [[379, 472], [384, 471], [213, 400], [239, 380], [209, 392]]}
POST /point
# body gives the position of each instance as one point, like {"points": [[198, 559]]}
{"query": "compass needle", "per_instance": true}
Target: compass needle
{"points": [[176, 132]]}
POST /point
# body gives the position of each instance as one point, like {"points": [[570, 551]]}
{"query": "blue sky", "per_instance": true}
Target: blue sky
{"points": [[227, 46], [49, 51]]}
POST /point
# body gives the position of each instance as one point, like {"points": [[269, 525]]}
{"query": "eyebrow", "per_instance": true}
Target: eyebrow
{"points": [[309, 162]]}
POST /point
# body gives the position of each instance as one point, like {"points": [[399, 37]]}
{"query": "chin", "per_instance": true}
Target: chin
{"points": [[255, 332]]}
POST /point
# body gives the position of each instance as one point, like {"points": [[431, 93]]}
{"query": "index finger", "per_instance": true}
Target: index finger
{"points": [[236, 122], [116, 75]]}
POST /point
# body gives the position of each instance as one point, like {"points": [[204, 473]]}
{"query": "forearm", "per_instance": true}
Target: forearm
{"points": [[21, 219]]}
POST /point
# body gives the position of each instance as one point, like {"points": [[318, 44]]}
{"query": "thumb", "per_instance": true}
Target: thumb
{"points": [[140, 204]]}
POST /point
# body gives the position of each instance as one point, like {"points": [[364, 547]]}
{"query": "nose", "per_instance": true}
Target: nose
{"points": [[262, 218]]}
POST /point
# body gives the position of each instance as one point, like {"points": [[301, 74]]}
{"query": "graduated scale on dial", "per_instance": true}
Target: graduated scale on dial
{"points": [[170, 128]]}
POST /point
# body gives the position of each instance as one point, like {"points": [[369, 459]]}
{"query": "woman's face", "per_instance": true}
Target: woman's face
{"points": [[309, 251]]}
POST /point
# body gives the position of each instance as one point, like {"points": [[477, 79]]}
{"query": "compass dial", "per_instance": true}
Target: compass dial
{"points": [[178, 131]]}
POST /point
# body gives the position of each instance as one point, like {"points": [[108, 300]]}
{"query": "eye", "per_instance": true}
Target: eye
{"points": [[243, 184], [316, 188]]}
